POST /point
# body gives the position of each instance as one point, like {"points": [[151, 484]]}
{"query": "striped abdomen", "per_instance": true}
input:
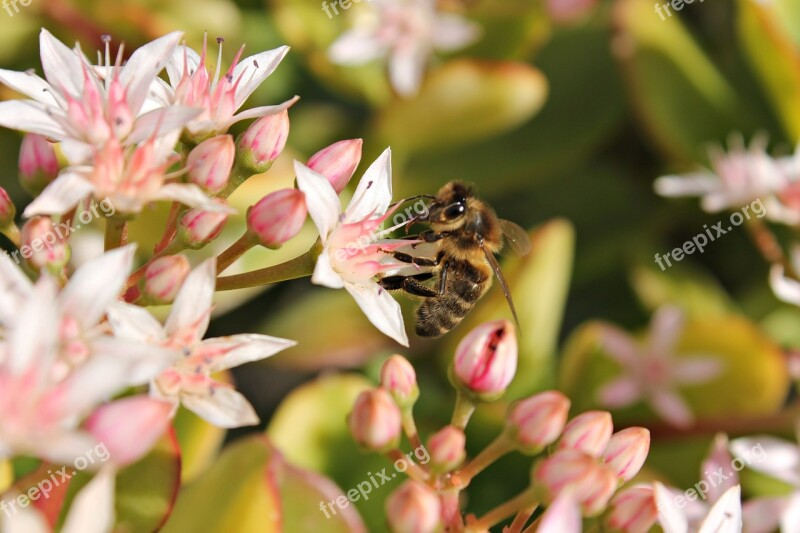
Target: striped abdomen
{"points": [[465, 284]]}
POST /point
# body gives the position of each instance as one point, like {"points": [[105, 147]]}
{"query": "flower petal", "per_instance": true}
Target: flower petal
{"points": [[133, 322], [321, 199], [718, 460], [183, 59], [245, 348], [254, 70], [29, 84], [60, 196], [562, 516], [253, 112], [670, 516], [454, 32], [160, 121], [356, 47], [619, 392], [763, 515], [671, 407], [143, 67], [25, 520], [374, 192], [30, 116], [785, 288], [407, 66], [696, 370], [15, 287], [696, 184], [790, 519], [191, 309], [92, 510], [665, 328], [781, 458], [190, 195], [62, 67], [224, 408], [33, 346], [619, 346], [726, 515], [324, 274], [381, 309]]}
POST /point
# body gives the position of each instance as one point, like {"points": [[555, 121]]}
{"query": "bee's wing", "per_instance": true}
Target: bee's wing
{"points": [[517, 237], [503, 283]]}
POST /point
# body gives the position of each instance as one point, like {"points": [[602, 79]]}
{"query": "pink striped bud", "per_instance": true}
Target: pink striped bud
{"points": [[263, 142], [588, 432], [633, 510], [398, 377], [538, 421], [38, 165], [571, 472], [7, 209], [627, 451], [163, 278], [375, 421], [447, 448], [199, 227], [413, 508], [486, 360], [337, 162], [209, 164], [43, 246], [277, 217]]}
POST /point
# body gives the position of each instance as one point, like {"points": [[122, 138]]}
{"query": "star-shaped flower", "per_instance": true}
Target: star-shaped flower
{"points": [[724, 517], [651, 371]]}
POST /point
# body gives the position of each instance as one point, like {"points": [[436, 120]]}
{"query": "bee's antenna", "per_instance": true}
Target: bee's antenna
{"points": [[404, 200]]}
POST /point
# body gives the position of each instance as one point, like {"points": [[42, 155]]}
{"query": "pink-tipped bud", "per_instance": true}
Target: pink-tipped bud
{"points": [[337, 162], [538, 421], [43, 246], [588, 432], [263, 142], [277, 217], [209, 164], [486, 360], [633, 510], [398, 377], [590, 482], [38, 164], [627, 451], [447, 448], [567, 11], [199, 227], [413, 508], [375, 421], [163, 278], [7, 209]]}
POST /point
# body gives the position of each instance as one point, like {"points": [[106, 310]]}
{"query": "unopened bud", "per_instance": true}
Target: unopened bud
{"points": [[209, 163], [486, 360], [538, 421], [627, 451], [375, 421], [633, 510], [447, 448], [198, 227], [263, 142], [571, 472], [163, 278], [43, 247], [277, 217], [413, 508], [7, 209], [337, 162], [38, 164], [400, 380], [588, 432]]}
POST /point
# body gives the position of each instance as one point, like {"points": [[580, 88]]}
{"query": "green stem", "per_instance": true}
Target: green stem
{"points": [[463, 410], [410, 429], [116, 232], [521, 519], [498, 448], [412, 470], [234, 252], [296, 268], [523, 500]]}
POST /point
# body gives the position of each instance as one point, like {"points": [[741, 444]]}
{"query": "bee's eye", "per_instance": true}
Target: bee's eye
{"points": [[454, 210]]}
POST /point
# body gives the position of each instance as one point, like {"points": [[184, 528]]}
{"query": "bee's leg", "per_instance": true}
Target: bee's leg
{"points": [[443, 278], [407, 284], [414, 260]]}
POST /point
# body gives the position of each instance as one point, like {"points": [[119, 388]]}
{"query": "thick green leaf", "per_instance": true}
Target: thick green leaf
{"points": [[199, 443], [697, 294]]}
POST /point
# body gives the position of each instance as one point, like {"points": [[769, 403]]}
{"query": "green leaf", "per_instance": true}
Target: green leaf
{"points": [[695, 293], [199, 443]]}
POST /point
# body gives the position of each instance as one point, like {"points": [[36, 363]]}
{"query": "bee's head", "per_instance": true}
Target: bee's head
{"points": [[450, 206]]}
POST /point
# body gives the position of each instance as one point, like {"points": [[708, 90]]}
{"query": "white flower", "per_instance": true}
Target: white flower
{"points": [[724, 517], [786, 288], [352, 253], [651, 371], [407, 32], [218, 98], [76, 106], [189, 379]]}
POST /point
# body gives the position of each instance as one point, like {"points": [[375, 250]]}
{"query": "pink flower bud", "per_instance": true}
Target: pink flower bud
{"points": [[413, 508], [588, 432], [199, 227], [447, 448], [398, 377], [43, 246], [38, 165], [337, 162], [567, 11], [277, 217], [209, 164], [633, 510], [590, 482], [7, 209], [627, 451], [538, 421], [375, 421], [263, 142], [163, 277], [486, 360]]}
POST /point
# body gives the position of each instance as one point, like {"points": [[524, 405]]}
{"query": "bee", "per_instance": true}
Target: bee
{"points": [[466, 234]]}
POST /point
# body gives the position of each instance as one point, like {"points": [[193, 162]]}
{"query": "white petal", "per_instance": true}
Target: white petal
{"points": [[182, 59], [244, 348], [374, 192], [324, 274], [786, 289], [356, 47], [14, 288], [665, 329], [776, 457], [96, 285], [453, 32], [671, 407], [562, 516], [192, 307], [790, 519], [25, 520], [76, 152], [726, 515], [144, 65], [696, 370], [225, 408], [620, 392], [92, 511], [161, 121], [29, 84], [719, 457], [670, 516], [321, 199], [381, 309], [32, 342], [253, 112], [141, 361], [30, 116], [63, 448], [406, 67], [133, 322], [620, 346], [60, 196], [63, 67], [689, 185], [253, 75], [763, 515], [190, 195]]}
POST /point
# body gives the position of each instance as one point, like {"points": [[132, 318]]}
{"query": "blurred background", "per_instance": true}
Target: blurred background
{"points": [[562, 114]]}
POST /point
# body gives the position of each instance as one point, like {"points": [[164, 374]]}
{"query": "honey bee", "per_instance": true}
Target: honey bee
{"points": [[467, 234]]}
